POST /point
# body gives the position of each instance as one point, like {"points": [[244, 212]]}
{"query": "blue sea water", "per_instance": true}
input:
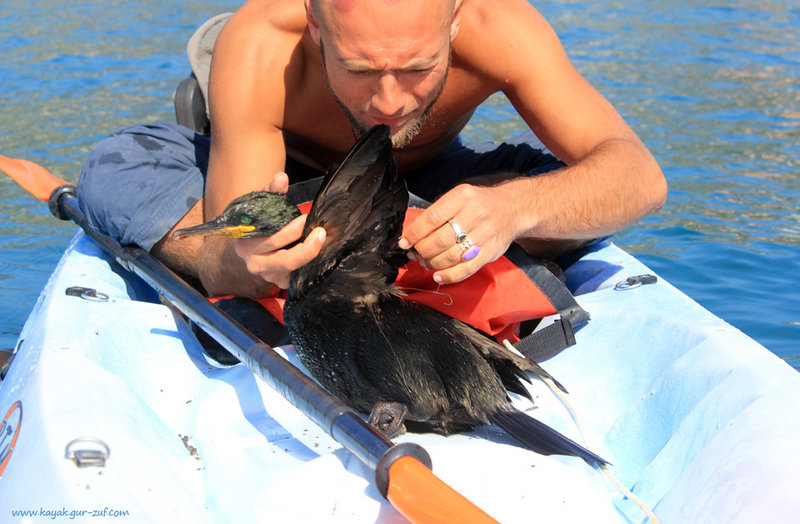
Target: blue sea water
{"points": [[713, 90]]}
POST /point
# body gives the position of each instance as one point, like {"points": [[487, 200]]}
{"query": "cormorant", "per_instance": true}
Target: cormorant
{"points": [[403, 363]]}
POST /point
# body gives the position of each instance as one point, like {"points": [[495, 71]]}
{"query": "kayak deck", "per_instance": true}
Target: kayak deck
{"points": [[699, 419]]}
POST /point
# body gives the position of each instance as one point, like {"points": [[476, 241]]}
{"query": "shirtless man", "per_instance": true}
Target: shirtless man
{"points": [[295, 82]]}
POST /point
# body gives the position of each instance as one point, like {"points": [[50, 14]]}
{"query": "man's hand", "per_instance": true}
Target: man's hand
{"points": [[488, 215], [268, 257]]}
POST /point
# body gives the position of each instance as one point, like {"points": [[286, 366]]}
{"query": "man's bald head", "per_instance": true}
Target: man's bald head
{"points": [[332, 15]]}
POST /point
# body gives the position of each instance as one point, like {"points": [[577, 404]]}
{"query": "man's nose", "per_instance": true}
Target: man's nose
{"points": [[389, 96]]}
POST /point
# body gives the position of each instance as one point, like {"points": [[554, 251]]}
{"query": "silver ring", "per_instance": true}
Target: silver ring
{"points": [[461, 235], [469, 249]]}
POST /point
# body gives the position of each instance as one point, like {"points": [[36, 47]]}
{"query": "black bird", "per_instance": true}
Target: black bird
{"points": [[405, 364]]}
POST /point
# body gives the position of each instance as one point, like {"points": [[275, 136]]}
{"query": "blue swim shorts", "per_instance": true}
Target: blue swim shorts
{"points": [[139, 182]]}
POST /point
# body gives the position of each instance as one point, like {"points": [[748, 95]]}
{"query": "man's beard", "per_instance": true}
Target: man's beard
{"points": [[408, 132]]}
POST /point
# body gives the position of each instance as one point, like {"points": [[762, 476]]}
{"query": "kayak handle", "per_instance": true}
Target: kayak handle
{"points": [[634, 282]]}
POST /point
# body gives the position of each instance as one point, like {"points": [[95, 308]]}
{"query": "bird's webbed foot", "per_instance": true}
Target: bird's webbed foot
{"points": [[388, 417]]}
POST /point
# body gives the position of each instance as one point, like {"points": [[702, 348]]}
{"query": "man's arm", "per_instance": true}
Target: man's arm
{"points": [[611, 180], [246, 96]]}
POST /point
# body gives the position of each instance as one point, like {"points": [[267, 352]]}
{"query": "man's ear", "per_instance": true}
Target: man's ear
{"points": [[456, 21], [311, 20]]}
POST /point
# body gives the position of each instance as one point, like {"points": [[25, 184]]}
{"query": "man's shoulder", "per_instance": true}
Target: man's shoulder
{"points": [[496, 24], [260, 38], [499, 35]]}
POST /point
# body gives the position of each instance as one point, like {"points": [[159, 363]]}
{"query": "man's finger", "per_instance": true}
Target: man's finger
{"points": [[456, 273], [287, 234], [428, 221], [275, 266], [440, 242], [311, 246], [447, 258], [279, 183], [301, 254]]}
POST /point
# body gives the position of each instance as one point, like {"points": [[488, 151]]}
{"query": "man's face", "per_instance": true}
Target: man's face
{"points": [[385, 70]]}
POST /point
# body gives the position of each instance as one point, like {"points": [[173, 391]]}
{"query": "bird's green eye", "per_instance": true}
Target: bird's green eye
{"points": [[246, 219]]}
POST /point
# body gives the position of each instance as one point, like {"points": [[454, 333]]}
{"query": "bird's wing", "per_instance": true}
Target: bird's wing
{"points": [[361, 205]]}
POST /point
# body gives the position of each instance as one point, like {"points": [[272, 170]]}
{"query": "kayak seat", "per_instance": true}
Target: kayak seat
{"points": [[190, 106], [191, 96]]}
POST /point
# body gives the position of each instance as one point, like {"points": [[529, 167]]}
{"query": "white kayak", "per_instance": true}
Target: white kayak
{"points": [[700, 421]]}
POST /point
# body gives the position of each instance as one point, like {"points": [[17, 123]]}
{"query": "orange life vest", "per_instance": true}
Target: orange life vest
{"points": [[499, 299]]}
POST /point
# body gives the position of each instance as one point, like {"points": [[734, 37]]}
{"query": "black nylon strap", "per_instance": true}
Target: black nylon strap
{"points": [[561, 334], [547, 341], [552, 287]]}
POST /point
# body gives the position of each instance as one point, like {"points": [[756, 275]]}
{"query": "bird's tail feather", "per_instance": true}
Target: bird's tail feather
{"points": [[541, 438]]}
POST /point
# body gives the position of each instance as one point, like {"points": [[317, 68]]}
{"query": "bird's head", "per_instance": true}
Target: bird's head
{"points": [[256, 214]]}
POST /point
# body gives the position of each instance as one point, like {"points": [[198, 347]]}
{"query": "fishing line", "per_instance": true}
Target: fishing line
{"points": [[605, 468], [436, 292], [391, 347]]}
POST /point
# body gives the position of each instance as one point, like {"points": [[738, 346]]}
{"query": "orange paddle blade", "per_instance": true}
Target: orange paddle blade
{"points": [[35, 179], [425, 499]]}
